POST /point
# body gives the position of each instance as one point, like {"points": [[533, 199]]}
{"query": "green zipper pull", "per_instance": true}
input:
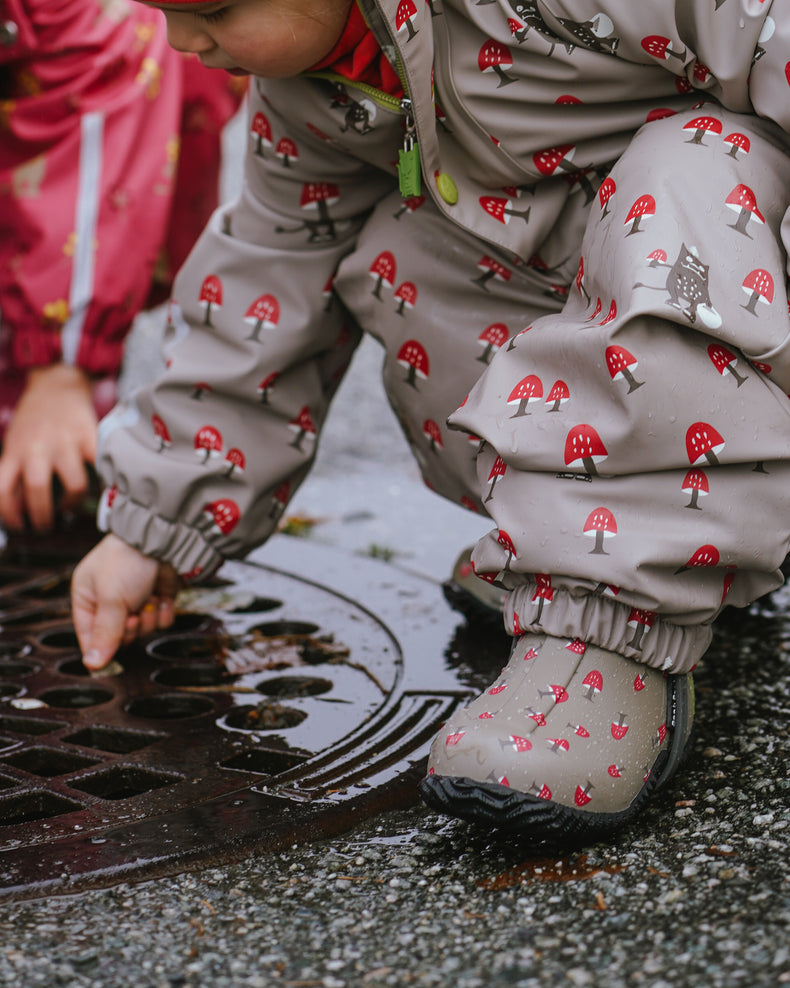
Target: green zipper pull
{"points": [[409, 157]]}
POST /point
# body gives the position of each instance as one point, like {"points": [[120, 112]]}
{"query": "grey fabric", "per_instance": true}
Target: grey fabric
{"points": [[534, 105]]}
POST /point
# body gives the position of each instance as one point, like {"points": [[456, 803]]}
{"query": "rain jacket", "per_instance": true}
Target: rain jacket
{"points": [[516, 110], [93, 104]]}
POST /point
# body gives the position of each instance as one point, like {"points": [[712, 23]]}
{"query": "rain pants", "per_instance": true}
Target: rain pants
{"points": [[589, 280]]}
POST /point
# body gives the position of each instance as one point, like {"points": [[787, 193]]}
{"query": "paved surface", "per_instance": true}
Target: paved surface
{"points": [[696, 892]]}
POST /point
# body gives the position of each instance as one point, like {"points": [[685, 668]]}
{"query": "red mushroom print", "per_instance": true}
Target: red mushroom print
{"points": [[703, 442], [660, 47], [495, 57], [619, 728], [208, 442], [266, 386], [199, 389], [737, 142], [583, 446], [502, 209], [600, 525], [706, 555], [433, 434], [491, 268], [641, 621], [702, 126], [550, 160], [492, 338], [404, 17], [610, 315], [529, 389], [224, 514], [695, 483], [582, 795], [302, 425], [743, 201], [507, 544], [319, 196], [605, 193], [160, 431], [382, 270], [593, 684], [210, 295], [264, 313], [235, 458], [519, 744], [287, 151], [701, 72], [408, 205], [577, 646], [620, 364], [759, 286], [280, 498], [412, 355], [644, 207], [558, 395], [406, 295], [544, 593], [497, 471], [596, 310], [725, 361], [657, 258], [261, 130]]}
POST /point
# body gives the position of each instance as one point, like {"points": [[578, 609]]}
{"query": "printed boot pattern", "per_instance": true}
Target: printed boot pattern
{"points": [[564, 721]]}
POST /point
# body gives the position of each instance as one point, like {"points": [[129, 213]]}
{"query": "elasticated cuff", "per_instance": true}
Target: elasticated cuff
{"points": [[639, 635], [186, 548]]}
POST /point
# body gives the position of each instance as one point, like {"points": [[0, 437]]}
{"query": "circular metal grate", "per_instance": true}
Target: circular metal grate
{"points": [[275, 708]]}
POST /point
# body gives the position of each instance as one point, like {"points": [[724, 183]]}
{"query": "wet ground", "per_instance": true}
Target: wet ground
{"points": [[696, 892]]}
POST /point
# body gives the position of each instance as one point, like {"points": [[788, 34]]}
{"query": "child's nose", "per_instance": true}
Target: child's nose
{"points": [[184, 33]]}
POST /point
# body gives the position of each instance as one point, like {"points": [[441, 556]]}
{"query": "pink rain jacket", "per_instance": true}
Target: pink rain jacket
{"points": [[93, 107]]}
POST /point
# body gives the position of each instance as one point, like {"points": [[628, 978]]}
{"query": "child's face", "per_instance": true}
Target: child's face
{"points": [[269, 38]]}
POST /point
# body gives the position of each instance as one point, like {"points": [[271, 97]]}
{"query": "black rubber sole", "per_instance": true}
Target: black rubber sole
{"points": [[493, 805], [472, 608]]}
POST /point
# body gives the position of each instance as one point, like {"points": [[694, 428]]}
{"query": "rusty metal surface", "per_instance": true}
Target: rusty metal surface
{"points": [[277, 707]]}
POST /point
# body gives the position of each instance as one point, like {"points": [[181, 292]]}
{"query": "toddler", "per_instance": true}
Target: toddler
{"points": [[566, 222]]}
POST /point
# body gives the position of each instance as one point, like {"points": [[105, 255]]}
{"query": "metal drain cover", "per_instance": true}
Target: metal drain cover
{"points": [[275, 709]]}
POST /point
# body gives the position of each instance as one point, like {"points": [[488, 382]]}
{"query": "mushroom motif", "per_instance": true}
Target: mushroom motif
{"points": [[600, 525], [702, 126], [703, 442], [208, 442], [491, 268], [620, 364], [583, 446], [263, 313], [643, 208], [743, 201], [210, 295], [303, 426], [406, 295], [413, 356], [492, 338], [160, 431], [495, 57], [696, 484], [605, 193], [725, 361], [529, 389], [382, 270], [759, 286], [497, 471], [558, 395]]}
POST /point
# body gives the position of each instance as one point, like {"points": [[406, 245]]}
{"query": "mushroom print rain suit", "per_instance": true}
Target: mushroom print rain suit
{"points": [[94, 200], [590, 282]]}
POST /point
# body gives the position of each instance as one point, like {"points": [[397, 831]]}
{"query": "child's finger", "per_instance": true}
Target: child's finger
{"points": [[107, 633]]}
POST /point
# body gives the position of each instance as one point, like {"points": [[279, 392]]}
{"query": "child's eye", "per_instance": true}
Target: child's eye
{"points": [[212, 16]]}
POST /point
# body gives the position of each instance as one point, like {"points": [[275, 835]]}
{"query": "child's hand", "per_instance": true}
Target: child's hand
{"points": [[118, 593], [52, 432]]}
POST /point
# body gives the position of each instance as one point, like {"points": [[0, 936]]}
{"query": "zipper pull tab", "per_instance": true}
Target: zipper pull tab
{"points": [[409, 157]]}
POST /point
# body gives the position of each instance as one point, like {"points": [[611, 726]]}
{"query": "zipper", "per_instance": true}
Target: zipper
{"points": [[409, 169]]}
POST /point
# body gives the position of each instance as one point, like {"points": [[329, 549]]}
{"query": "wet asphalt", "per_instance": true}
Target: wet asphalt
{"points": [[695, 892]]}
